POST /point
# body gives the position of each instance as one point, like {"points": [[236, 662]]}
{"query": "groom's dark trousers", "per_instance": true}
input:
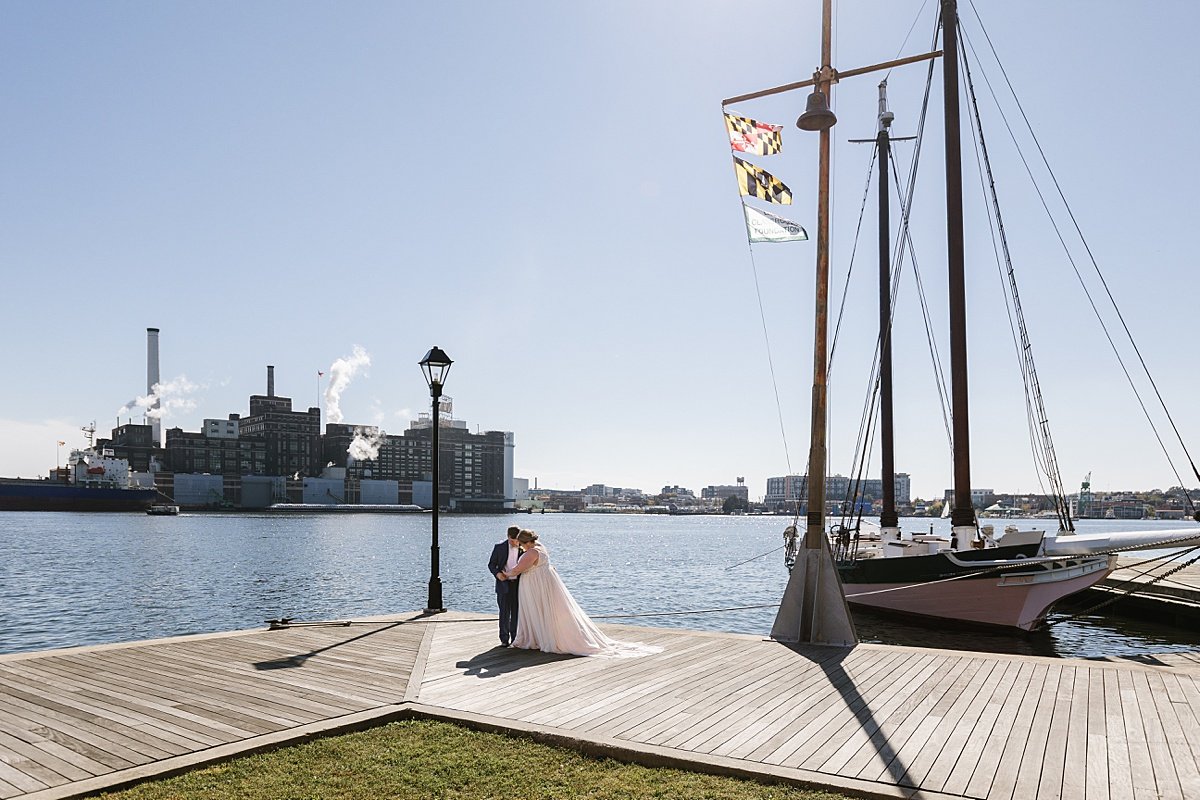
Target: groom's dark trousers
{"points": [[506, 594]]}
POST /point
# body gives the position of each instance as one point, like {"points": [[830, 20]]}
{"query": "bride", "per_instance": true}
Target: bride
{"points": [[549, 619]]}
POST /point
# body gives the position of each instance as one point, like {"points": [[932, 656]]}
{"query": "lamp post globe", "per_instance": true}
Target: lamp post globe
{"points": [[435, 365]]}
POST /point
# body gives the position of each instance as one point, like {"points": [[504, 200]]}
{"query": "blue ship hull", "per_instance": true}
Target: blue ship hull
{"points": [[41, 495]]}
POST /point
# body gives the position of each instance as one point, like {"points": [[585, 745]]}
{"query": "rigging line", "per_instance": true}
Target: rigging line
{"points": [[1091, 300], [907, 242], [911, 28], [939, 376], [837, 327], [987, 183], [770, 361], [1088, 249], [755, 558]]}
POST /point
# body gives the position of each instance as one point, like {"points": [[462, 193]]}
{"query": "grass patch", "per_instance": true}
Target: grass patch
{"points": [[427, 759]]}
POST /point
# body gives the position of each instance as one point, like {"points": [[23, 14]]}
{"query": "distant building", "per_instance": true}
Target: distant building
{"points": [[785, 491], [476, 468], [217, 455], [678, 491], [134, 443], [980, 498], [557, 499], [722, 493], [275, 440]]}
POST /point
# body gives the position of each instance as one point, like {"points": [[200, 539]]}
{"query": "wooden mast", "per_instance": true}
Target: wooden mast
{"points": [[962, 514], [888, 519], [815, 533]]}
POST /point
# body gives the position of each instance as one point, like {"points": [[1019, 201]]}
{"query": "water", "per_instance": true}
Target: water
{"points": [[77, 579]]}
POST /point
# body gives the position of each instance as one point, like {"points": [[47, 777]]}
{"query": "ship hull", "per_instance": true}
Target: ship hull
{"points": [[37, 495], [979, 595]]}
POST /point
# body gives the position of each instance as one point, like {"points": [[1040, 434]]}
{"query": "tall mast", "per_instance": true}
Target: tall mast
{"points": [[962, 515], [815, 533], [888, 517]]}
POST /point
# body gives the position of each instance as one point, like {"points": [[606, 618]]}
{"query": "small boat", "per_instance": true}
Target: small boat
{"points": [[162, 510]]}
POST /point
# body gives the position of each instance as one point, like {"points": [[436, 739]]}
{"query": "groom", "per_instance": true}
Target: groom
{"points": [[504, 558]]}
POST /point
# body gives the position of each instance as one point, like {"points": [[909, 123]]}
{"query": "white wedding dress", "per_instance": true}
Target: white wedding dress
{"points": [[549, 619]]}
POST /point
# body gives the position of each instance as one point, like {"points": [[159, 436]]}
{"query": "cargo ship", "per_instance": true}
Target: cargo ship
{"points": [[91, 481]]}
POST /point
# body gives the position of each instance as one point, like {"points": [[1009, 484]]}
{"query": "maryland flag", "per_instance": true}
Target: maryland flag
{"points": [[759, 183], [751, 136]]}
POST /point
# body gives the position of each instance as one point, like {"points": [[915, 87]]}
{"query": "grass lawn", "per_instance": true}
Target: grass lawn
{"points": [[424, 759]]}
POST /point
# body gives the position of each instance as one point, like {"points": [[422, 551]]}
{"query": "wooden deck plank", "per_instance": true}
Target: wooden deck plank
{"points": [[1142, 726], [1038, 749], [943, 720], [672, 693], [908, 730], [991, 716], [807, 707], [996, 773], [148, 676], [49, 769], [101, 713], [252, 683], [710, 692], [739, 700], [37, 720], [851, 714], [1120, 771], [1096, 773], [947, 759], [869, 741], [1175, 741], [212, 705]]}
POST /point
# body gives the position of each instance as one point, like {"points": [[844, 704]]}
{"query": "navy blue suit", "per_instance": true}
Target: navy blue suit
{"points": [[506, 593]]}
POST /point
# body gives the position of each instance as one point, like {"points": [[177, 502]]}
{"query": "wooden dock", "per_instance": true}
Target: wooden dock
{"points": [[874, 720], [1160, 593]]}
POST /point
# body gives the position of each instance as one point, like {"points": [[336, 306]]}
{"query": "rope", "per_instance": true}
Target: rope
{"points": [[1138, 586], [1035, 411], [760, 555], [1095, 267], [770, 361]]}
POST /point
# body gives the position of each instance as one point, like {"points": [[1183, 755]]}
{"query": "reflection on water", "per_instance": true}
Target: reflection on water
{"points": [[75, 579]]}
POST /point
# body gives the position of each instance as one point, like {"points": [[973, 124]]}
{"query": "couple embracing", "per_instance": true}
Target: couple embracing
{"points": [[536, 610]]}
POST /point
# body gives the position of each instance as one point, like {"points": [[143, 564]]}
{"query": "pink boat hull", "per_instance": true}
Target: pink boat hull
{"points": [[1013, 601]]}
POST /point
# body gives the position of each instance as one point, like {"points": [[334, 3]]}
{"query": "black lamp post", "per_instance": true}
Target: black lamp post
{"points": [[435, 365]]}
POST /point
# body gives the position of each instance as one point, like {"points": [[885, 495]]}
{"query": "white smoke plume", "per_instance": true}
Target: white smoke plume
{"points": [[365, 446], [171, 397], [340, 373]]}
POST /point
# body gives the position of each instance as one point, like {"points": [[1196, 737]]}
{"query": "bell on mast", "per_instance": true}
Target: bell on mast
{"points": [[816, 116]]}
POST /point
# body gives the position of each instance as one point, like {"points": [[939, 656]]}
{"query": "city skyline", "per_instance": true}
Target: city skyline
{"points": [[545, 192]]}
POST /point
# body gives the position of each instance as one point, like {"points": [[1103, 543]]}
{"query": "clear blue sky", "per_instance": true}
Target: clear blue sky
{"points": [[544, 190]]}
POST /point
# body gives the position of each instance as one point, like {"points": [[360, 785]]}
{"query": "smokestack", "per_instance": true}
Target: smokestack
{"points": [[152, 380], [270, 381]]}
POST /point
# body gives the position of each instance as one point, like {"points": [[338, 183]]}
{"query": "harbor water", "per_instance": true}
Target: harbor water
{"points": [[69, 579]]}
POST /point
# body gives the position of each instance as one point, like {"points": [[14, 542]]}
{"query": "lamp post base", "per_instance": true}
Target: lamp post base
{"points": [[435, 596]]}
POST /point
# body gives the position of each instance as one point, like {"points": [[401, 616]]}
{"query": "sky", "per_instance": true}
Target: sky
{"points": [[544, 190]]}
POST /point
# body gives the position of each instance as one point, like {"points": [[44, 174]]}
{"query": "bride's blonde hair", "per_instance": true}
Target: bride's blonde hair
{"points": [[527, 537]]}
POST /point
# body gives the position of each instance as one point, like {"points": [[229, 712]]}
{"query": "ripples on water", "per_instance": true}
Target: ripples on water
{"points": [[76, 579]]}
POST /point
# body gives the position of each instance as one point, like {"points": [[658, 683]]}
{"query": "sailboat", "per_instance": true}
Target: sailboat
{"points": [[1010, 581]]}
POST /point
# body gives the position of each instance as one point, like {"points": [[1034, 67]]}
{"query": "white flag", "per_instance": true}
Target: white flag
{"points": [[764, 227]]}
